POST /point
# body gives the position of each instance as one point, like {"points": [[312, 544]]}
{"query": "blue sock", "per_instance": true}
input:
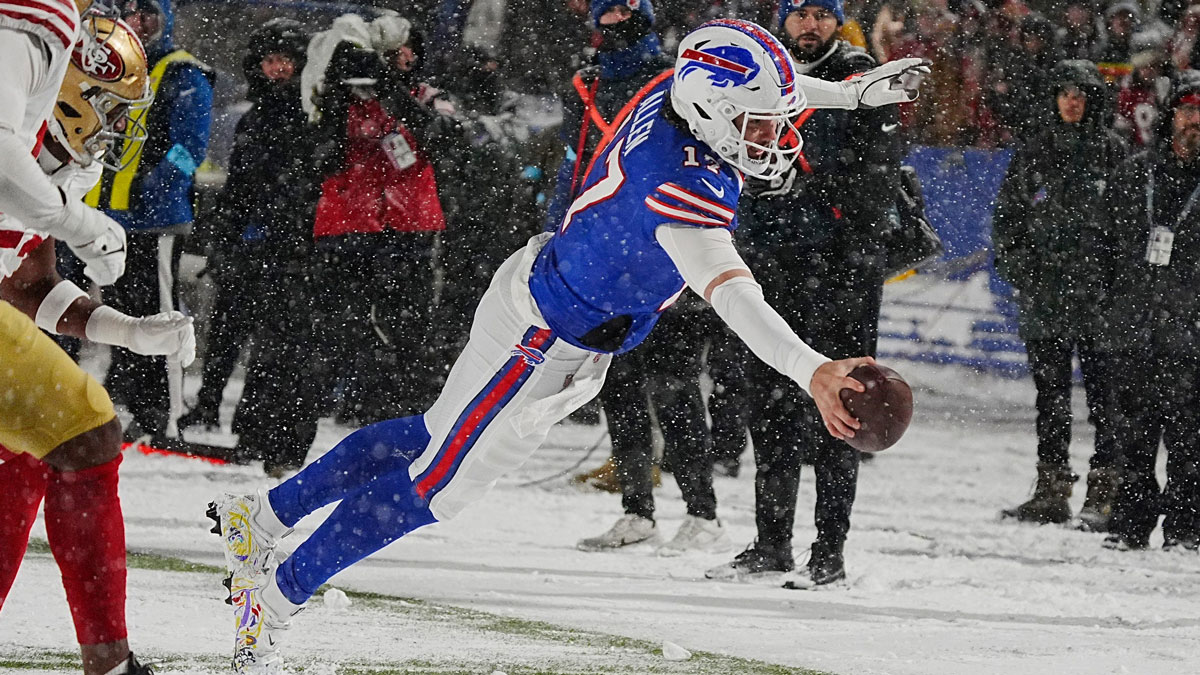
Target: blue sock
{"points": [[360, 459], [380, 513]]}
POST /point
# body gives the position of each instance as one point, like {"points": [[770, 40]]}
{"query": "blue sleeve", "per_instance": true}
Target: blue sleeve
{"points": [[166, 189]]}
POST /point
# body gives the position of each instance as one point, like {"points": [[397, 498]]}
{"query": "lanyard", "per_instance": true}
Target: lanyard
{"points": [[1187, 207]]}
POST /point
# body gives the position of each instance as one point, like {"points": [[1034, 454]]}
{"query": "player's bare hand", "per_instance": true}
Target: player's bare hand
{"points": [[827, 383]]}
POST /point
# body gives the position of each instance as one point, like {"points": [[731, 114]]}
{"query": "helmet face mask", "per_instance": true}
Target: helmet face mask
{"points": [[103, 97], [732, 80]]}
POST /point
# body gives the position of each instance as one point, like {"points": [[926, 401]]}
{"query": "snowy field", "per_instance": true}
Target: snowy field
{"points": [[937, 585]]}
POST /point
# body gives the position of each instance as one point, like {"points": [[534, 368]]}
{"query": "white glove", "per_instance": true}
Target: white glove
{"points": [[103, 248], [167, 333], [893, 82]]}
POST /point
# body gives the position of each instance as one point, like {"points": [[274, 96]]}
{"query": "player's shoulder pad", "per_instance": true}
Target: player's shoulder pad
{"points": [[697, 196]]}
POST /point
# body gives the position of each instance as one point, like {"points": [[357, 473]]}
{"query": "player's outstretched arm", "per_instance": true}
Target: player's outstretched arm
{"points": [[711, 266], [59, 306], [894, 82]]}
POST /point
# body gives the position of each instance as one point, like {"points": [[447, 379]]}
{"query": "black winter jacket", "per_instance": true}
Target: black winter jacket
{"points": [[846, 180], [256, 205], [1053, 190], [1146, 306]]}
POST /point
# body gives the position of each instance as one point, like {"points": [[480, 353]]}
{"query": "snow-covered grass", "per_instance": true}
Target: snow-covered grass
{"points": [[937, 584]]}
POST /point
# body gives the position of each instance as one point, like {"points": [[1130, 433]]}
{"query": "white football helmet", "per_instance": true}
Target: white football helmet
{"points": [[729, 73]]}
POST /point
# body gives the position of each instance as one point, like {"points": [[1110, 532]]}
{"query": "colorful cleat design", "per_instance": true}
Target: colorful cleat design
{"points": [[240, 522], [255, 651]]}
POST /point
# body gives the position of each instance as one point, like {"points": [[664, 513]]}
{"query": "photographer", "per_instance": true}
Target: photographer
{"points": [[377, 217]]}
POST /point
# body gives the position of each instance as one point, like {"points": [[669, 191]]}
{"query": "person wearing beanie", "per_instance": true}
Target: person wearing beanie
{"points": [[816, 228], [1146, 246], [255, 243], [1050, 196]]}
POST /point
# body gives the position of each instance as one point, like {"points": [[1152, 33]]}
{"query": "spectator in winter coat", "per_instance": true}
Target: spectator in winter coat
{"points": [[816, 229], [1121, 20], [1140, 96], [1023, 78], [1081, 30], [1052, 192], [377, 220], [1147, 256], [259, 252], [152, 199], [245, 232]]}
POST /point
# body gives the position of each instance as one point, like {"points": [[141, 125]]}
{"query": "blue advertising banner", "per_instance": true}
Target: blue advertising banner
{"points": [[957, 311]]}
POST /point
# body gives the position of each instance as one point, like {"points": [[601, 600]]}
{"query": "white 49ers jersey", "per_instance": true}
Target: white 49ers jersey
{"points": [[55, 21], [55, 26]]}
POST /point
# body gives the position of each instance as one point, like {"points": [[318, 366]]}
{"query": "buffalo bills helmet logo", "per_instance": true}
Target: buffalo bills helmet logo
{"points": [[531, 356], [727, 66]]}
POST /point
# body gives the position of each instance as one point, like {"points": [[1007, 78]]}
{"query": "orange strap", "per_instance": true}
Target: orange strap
{"points": [[619, 120], [800, 158], [588, 96]]}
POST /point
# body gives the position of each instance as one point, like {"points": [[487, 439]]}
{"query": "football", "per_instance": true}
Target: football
{"points": [[884, 409]]}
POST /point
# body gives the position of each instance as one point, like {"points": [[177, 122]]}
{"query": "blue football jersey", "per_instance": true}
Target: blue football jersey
{"points": [[602, 280]]}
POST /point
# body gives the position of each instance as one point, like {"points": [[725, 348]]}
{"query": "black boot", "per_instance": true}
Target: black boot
{"points": [[757, 561], [826, 565], [1097, 506], [200, 416], [1050, 502]]}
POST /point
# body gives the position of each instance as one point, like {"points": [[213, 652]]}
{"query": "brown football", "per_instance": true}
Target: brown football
{"points": [[884, 409]]}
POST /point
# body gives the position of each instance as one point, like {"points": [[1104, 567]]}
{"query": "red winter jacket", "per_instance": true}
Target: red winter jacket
{"points": [[370, 194]]}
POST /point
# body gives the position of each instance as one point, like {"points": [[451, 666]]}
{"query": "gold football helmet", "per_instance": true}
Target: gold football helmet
{"points": [[103, 97]]}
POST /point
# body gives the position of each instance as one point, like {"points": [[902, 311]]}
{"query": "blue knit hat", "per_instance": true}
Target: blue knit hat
{"points": [[788, 6], [599, 7]]}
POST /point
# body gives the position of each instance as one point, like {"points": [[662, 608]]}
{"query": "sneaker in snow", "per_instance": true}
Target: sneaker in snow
{"points": [[248, 527], [697, 534], [758, 561], [261, 612], [630, 529]]}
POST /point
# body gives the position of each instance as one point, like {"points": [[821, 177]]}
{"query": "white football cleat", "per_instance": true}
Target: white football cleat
{"points": [[261, 612], [248, 527], [697, 535], [629, 529]]}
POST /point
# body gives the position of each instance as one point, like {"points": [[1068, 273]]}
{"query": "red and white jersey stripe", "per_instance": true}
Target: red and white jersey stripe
{"points": [[55, 21], [683, 204]]}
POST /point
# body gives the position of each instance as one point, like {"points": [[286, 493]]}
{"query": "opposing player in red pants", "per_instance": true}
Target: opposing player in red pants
{"points": [[57, 424]]}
